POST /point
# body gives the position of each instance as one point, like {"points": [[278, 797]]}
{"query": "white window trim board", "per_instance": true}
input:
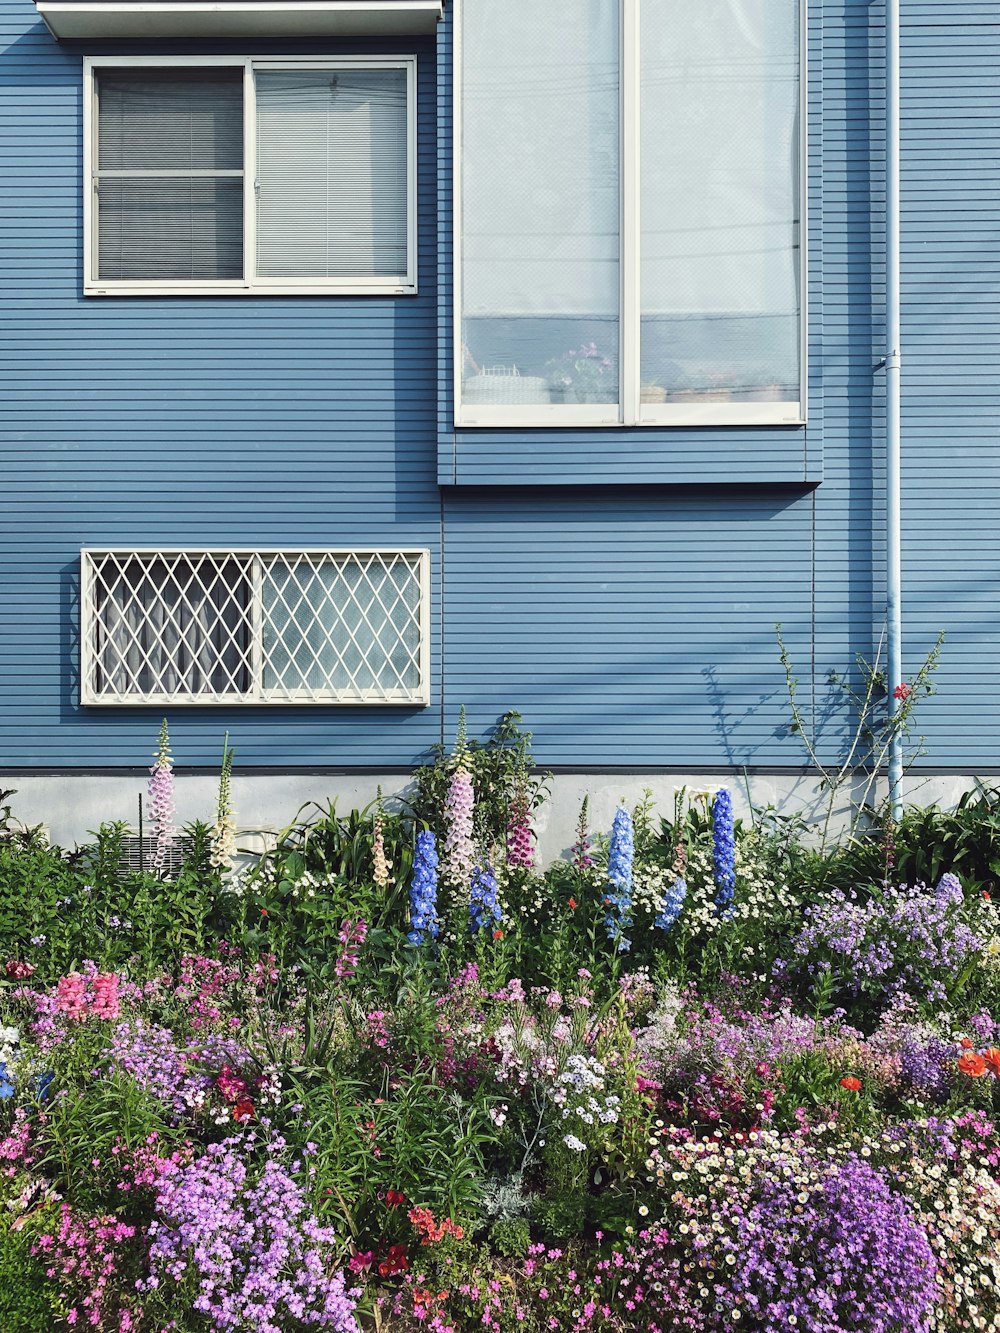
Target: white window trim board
{"points": [[630, 411], [249, 285], [257, 695]]}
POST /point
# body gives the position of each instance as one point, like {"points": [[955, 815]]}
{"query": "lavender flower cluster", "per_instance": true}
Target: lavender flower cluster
{"points": [[911, 938], [826, 1250], [255, 1253], [178, 1075]]}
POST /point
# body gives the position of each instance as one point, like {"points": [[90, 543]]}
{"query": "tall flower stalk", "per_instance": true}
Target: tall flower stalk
{"points": [[723, 852], [619, 898], [459, 847], [223, 851], [380, 865], [161, 801], [582, 848], [483, 905], [520, 840], [423, 891]]}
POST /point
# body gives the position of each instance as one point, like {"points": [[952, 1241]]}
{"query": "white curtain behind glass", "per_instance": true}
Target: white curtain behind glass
{"points": [[540, 157], [332, 167], [720, 190]]}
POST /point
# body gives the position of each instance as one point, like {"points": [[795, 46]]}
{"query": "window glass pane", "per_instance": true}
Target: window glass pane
{"points": [[186, 120], [719, 169], [174, 227], [540, 201], [332, 166], [345, 626]]}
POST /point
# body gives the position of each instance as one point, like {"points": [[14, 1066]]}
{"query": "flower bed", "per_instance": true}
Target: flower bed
{"points": [[396, 1076]]}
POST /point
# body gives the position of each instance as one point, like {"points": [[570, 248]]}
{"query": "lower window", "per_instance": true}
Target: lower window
{"points": [[264, 627]]}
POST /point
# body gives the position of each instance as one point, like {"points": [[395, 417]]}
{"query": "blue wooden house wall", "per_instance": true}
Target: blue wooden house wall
{"points": [[619, 588]]}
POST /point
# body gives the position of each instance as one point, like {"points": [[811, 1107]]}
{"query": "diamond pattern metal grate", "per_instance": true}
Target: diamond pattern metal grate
{"points": [[239, 626]]}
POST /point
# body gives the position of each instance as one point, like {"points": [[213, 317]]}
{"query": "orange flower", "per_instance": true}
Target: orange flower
{"points": [[966, 1043], [972, 1064], [572, 902], [992, 1058], [851, 1083], [987, 896]]}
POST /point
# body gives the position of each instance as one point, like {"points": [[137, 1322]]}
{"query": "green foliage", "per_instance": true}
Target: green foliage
{"points": [[851, 733], [499, 766], [321, 873], [510, 1237], [90, 1121], [58, 909], [27, 1300]]}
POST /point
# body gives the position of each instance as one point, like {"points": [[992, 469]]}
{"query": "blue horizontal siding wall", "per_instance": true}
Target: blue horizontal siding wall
{"points": [[628, 611], [951, 367], [257, 422]]}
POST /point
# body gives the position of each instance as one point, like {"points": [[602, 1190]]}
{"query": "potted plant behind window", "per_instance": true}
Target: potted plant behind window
{"points": [[581, 375]]}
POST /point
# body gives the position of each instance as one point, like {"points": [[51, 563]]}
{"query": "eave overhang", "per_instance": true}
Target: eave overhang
{"points": [[109, 20]]}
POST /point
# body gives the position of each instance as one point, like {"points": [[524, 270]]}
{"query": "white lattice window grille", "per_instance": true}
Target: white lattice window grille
{"points": [[255, 627]]}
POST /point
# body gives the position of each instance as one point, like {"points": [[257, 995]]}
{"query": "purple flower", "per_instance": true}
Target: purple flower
{"points": [[247, 1245], [423, 891], [723, 852]]}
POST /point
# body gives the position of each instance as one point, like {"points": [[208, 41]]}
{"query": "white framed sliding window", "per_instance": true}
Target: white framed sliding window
{"points": [[629, 217], [233, 175], [239, 626]]}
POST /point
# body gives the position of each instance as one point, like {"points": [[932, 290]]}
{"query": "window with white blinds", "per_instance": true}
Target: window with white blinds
{"points": [[248, 176], [331, 172]]}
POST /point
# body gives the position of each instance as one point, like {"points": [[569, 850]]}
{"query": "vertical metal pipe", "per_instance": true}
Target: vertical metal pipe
{"points": [[894, 613]]}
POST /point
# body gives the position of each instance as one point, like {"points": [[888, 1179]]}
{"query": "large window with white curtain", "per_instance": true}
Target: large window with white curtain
{"points": [[253, 626], [629, 221], [235, 175]]}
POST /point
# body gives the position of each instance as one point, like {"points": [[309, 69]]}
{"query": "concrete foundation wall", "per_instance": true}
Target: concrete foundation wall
{"points": [[70, 806]]}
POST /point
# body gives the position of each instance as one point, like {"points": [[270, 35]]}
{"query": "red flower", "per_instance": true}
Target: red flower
{"points": [[992, 1058], [498, 934], [17, 971], [987, 896], [966, 1043], [243, 1111], [572, 902], [264, 912], [851, 1083], [972, 1064], [394, 1198], [902, 691]]}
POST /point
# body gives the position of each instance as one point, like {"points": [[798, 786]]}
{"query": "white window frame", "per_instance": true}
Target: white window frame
{"points": [[401, 284], [630, 410], [257, 695]]}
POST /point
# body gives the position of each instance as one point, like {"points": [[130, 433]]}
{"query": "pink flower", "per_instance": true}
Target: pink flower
{"points": [[459, 848]]}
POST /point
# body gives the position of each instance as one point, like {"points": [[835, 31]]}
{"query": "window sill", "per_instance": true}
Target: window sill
{"points": [[392, 287], [712, 411]]}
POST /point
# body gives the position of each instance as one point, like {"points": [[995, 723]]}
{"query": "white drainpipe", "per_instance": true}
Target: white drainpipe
{"points": [[894, 612]]}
